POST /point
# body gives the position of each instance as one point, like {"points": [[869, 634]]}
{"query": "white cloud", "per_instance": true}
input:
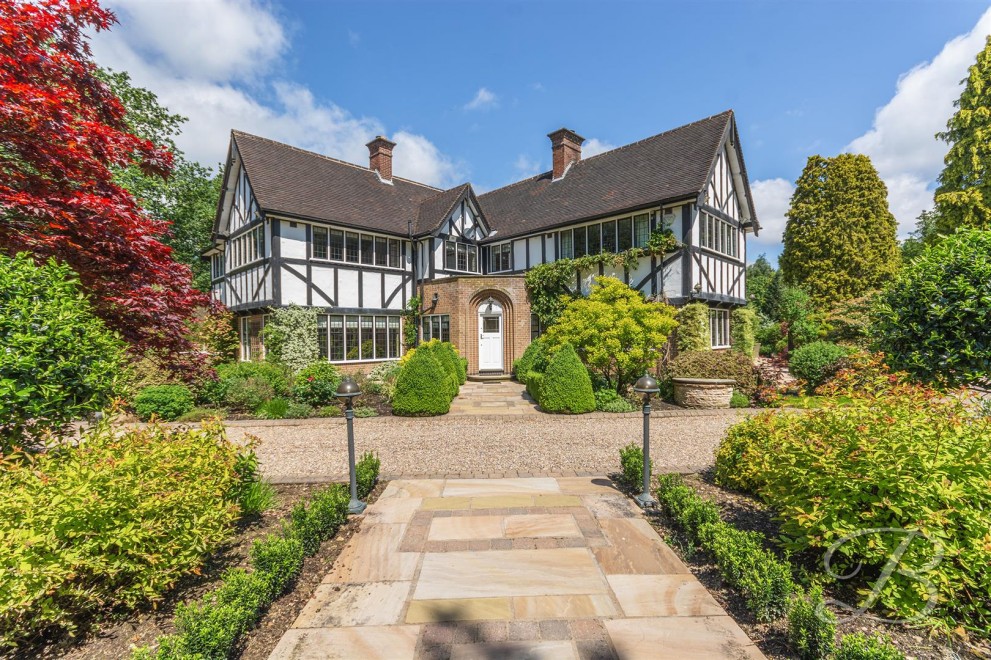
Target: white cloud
{"points": [[537, 87], [902, 142], [354, 38], [484, 100], [218, 80], [594, 147], [526, 167], [771, 199]]}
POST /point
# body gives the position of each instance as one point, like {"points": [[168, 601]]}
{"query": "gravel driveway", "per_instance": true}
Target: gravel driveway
{"points": [[485, 446]]}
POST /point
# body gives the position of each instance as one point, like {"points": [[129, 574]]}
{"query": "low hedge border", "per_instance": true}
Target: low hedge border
{"points": [[211, 627], [764, 581]]}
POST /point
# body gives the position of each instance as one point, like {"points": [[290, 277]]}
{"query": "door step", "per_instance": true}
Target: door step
{"points": [[490, 377]]}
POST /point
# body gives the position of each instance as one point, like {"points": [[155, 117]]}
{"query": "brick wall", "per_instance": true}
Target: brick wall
{"points": [[460, 297]]}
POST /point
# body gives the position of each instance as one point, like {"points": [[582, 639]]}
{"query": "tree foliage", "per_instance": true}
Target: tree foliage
{"points": [[760, 276], [840, 236], [187, 199], [58, 362], [963, 197], [934, 321], [615, 331], [64, 136]]}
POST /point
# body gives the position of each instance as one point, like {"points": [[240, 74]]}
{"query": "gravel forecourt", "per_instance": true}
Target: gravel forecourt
{"points": [[485, 445]]}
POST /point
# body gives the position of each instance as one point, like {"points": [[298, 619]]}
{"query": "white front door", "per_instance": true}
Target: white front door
{"points": [[490, 337]]}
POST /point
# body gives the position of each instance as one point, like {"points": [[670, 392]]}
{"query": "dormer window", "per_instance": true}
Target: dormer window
{"points": [[461, 257]]}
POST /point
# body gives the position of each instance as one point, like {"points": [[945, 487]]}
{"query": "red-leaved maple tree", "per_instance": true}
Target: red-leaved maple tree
{"points": [[62, 134]]}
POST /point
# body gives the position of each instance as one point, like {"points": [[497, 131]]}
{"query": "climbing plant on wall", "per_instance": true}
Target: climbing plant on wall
{"points": [[411, 317], [551, 286]]}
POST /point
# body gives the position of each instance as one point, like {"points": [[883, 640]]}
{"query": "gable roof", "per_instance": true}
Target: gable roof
{"points": [[306, 184], [434, 210], [669, 166]]}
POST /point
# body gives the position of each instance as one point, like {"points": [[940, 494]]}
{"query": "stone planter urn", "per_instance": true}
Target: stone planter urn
{"points": [[703, 392]]}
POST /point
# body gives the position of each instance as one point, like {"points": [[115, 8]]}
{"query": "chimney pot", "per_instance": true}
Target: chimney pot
{"points": [[380, 157], [566, 148]]}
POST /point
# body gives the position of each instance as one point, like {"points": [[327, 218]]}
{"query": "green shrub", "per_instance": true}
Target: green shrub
{"points": [[246, 394], [534, 381], [330, 411], [167, 402], [313, 524], [296, 410], [273, 409], [290, 336], [566, 386], [743, 329], [316, 384], [739, 400], [420, 387], [888, 456], [58, 362], [608, 400], [693, 328], [858, 646], [616, 332], [934, 320], [631, 463], [534, 358], [279, 559], [367, 473], [112, 522], [684, 505], [811, 626], [256, 497], [732, 365], [444, 353], [243, 386], [816, 363], [365, 411], [762, 579], [198, 414], [211, 626]]}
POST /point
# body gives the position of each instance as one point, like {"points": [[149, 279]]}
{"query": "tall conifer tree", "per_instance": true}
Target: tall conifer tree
{"points": [[963, 198], [840, 239]]}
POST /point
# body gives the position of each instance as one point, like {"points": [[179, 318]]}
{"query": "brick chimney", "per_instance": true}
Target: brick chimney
{"points": [[566, 147], [380, 157]]}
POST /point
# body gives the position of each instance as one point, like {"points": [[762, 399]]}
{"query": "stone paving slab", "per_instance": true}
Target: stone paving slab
{"points": [[510, 568]]}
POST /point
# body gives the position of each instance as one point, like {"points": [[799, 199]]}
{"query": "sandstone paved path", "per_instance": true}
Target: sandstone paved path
{"points": [[510, 568]]}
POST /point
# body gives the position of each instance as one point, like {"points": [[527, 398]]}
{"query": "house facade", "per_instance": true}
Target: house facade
{"points": [[357, 243]]}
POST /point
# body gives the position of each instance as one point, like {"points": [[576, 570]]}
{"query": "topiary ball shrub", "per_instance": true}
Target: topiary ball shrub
{"points": [[817, 363], [934, 321], [167, 402], [714, 364], [316, 384], [534, 358], [566, 386], [421, 388]]}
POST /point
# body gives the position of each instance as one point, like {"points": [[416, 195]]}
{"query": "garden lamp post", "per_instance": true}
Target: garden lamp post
{"points": [[646, 386], [347, 391]]}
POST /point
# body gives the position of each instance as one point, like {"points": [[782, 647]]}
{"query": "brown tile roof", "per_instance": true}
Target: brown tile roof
{"points": [[668, 166], [434, 210], [302, 183]]}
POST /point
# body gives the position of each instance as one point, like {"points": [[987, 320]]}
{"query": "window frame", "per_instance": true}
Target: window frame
{"points": [[436, 326], [719, 328]]}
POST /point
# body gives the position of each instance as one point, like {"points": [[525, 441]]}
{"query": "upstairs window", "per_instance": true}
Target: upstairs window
{"points": [[460, 256], [567, 245], [395, 254], [719, 235], [319, 243], [336, 248], [625, 240], [641, 229], [502, 257]]}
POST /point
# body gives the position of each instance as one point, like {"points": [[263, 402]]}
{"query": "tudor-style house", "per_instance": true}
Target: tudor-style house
{"points": [[357, 243]]}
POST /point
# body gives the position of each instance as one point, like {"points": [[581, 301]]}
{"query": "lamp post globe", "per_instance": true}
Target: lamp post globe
{"points": [[347, 391], [646, 386]]}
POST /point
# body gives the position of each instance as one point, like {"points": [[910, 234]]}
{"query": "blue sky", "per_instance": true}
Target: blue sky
{"points": [[469, 90]]}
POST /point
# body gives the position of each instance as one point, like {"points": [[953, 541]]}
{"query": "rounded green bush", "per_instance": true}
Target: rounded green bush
{"points": [[273, 374], [817, 362], [534, 358], [168, 402], [421, 388], [446, 358], [316, 384], [715, 364], [58, 362], [566, 386], [934, 321], [246, 394]]}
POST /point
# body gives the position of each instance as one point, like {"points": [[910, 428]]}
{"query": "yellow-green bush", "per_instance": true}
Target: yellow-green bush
{"points": [[892, 456], [113, 522]]}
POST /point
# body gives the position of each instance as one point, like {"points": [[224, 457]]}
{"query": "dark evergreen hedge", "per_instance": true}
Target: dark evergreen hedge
{"points": [[566, 386]]}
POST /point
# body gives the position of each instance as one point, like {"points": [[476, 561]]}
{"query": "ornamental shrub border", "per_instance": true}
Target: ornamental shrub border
{"points": [[213, 625], [764, 581]]}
